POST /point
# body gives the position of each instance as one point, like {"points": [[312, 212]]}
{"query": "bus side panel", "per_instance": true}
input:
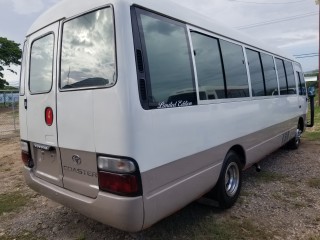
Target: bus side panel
{"points": [[172, 186]]}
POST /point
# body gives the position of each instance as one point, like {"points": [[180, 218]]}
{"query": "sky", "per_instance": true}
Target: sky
{"points": [[292, 25]]}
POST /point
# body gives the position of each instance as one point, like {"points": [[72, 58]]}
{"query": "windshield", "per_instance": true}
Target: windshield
{"points": [[88, 51]]}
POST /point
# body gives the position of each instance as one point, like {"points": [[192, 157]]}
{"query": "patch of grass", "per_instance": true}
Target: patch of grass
{"points": [[232, 229], [81, 237], [293, 194], [298, 205], [290, 198], [314, 183], [313, 134], [12, 201], [314, 238], [23, 236], [267, 177]]}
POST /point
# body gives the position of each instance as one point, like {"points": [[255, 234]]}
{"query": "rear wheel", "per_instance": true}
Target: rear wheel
{"points": [[228, 187]]}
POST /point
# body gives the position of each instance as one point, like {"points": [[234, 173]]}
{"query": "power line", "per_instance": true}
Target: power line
{"points": [[249, 2], [278, 20]]}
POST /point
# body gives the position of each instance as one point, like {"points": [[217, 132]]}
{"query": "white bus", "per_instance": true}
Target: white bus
{"points": [[131, 109]]}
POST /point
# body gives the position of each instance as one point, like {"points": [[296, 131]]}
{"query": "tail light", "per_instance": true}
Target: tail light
{"points": [[25, 154], [119, 176], [49, 116]]}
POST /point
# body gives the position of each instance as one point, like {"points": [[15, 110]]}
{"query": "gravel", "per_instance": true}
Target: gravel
{"points": [[279, 202]]}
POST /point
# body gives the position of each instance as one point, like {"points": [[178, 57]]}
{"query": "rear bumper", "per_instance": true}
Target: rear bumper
{"points": [[120, 212]]}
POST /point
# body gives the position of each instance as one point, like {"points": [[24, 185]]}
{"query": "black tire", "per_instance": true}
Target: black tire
{"points": [[294, 143], [227, 192]]}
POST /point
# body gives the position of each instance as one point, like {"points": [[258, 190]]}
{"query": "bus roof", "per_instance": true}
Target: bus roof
{"points": [[69, 8]]}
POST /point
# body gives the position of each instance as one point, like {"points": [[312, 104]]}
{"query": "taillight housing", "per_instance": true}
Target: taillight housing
{"points": [[48, 116], [119, 176], [25, 154]]}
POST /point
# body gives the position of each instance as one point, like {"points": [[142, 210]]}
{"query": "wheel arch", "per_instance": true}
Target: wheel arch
{"points": [[301, 124], [239, 150]]}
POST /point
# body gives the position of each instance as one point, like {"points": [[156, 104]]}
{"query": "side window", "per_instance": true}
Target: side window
{"points": [[88, 51], [282, 77], [292, 89], [41, 65], [270, 74], [209, 66], [302, 84], [256, 75], [235, 70], [168, 61]]}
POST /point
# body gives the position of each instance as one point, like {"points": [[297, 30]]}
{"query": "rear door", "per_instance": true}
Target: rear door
{"points": [[86, 72], [41, 104]]}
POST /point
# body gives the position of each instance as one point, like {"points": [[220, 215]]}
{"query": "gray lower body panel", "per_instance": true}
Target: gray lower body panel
{"points": [[120, 212], [172, 186]]}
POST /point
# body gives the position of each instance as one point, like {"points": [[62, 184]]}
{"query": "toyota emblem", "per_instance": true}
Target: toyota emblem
{"points": [[76, 159]]}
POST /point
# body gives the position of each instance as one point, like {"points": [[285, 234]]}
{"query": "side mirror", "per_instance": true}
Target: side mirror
{"points": [[311, 92]]}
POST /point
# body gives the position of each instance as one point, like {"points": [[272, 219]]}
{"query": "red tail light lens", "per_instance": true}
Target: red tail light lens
{"points": [[25, 158], [122, 184], [49, 116]]}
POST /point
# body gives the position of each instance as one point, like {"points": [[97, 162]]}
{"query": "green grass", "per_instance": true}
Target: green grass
{"points": [[265, 176], [314, 183], [11, 201], [313, 134], [315, 238], [23, 236], [231, 229], [81, 237]]}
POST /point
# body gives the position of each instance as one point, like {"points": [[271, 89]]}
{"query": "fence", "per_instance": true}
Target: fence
{"points": [[9, 112]]}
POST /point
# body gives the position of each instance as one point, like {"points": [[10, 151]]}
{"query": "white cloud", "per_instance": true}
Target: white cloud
{"points": [[25, 7]]}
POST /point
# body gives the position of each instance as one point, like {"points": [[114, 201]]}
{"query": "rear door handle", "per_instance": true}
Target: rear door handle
{"points": [[25, 104]]}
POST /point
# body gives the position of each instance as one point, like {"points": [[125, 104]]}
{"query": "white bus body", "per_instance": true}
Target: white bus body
{"points": [[99, 136]]}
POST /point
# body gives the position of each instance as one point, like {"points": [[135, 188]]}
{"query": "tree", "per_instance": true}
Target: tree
{"points": [[10, 54]]}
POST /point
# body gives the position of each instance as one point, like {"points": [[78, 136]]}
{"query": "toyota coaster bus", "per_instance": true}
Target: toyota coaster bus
{"points": [[132, 109]]}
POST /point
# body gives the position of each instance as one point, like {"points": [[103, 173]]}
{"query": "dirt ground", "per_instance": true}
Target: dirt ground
{"points": [[280, 202]]}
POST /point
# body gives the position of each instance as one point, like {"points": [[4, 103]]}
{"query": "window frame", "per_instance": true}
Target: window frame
{"points": [[59, 58], [294, 78], [53, 61], [285, 74], [300, 76], [262, 71], [139, 44], [192, 28]]}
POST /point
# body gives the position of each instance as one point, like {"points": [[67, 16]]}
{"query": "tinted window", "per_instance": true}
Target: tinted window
{"points": [[302, 84], [270, 74], [235, 70], [169, 62], [290, 77], [41, 65], [282, 77], [209, 67], [88, 51], [256, 75]]}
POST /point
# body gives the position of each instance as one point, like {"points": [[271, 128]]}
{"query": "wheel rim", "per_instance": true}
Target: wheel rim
{"points": [[298, 136], [232, 179]]}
